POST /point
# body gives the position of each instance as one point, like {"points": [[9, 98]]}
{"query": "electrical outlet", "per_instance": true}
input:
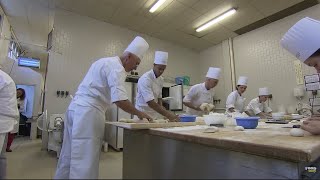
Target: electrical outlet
{"points": [[314, 92]]}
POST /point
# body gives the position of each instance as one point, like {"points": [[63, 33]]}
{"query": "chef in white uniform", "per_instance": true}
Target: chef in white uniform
{"points": [[85, 117], [149, 91], [202, 93], [258, 106], [235, 100], [303, 41], [9, 115]]}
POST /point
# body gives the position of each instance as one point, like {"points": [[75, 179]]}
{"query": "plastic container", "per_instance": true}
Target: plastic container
{"points": [[179, 80], [247, 122], [187, 118], [186, 80], [278, 115]]}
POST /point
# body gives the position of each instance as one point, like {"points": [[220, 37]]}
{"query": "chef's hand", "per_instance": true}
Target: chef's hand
{"points": [[143, 115], [173, 118], [312, 127], [197, 108]]}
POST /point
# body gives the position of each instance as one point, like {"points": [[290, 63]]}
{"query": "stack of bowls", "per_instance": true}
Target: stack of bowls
{"points": [[278, 116]]}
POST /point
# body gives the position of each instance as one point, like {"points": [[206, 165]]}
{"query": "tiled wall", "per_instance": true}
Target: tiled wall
{"points": [[78, 41], [258, 55]]}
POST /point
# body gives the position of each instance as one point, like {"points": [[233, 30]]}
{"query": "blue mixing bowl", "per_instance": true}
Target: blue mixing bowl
{"points": [[187, 118], [247, 122]]}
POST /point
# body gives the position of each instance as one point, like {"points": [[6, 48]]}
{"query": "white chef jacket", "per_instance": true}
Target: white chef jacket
{"points": [[197, 95], [236, 101], [102, 85], [9, 113], [149, 88], [255, 107], [23, 106]]}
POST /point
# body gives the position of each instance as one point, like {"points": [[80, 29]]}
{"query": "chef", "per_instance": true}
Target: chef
{"points": [[235, 100], [85, 117], [303, 41], [202, 93], [149, 91], [258, 106], [9, 115]]}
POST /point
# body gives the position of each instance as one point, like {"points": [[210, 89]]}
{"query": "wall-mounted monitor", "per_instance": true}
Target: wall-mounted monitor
{"points": [[29, 62]]}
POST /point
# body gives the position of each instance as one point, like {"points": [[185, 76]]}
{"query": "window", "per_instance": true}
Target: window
{"points": [[14, 51], [29, 62]]}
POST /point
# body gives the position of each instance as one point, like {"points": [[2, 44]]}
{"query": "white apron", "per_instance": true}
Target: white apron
{"points": [[82, 141]]}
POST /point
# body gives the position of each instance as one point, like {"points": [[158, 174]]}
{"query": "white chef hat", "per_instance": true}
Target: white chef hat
{"points": [[264, 91], [213, 73], [138, 47], [161, 57], [242, 81], [303, 38]]}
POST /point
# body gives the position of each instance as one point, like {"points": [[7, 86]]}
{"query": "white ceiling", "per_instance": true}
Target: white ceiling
{"points": [[174, 21]]}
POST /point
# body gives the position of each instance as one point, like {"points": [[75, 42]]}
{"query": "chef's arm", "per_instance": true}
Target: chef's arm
{"points": [[128, 107], [160, 101], [190, 105], [261, 115], [264, 115], [247, 112], [161, 110], [231, 109]]}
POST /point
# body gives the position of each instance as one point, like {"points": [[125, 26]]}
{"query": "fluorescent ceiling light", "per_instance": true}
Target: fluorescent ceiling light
{"points": [[217, 19], [156, 6]]}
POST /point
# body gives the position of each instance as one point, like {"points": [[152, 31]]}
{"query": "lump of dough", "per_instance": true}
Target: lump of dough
{"points": [[204, 106], [296, 132], [160, 121], [210, 107], [293, 121], [123, 120], [212, 129], [238, 128]]}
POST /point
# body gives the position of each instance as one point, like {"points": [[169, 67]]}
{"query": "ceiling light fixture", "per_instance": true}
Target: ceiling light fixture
{"points": [[156, 6], [217, 19]]}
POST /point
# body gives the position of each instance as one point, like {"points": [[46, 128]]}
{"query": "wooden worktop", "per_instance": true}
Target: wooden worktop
{"points": [[268, 140]]}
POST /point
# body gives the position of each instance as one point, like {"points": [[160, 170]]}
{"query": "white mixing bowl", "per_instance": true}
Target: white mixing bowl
{"points": [[215, 118]]}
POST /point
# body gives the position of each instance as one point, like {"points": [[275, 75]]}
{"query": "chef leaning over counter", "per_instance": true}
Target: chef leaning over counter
{"points": [[85, 117], [149, 93], [235, 100], [258, 106], [202, 93], [303, 41]]}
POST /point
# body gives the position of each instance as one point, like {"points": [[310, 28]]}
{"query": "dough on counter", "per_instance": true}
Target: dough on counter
{"points": [[125, 120], [134, 121], [160, 121], [296, 132], [212, 129], [238, 128]]}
